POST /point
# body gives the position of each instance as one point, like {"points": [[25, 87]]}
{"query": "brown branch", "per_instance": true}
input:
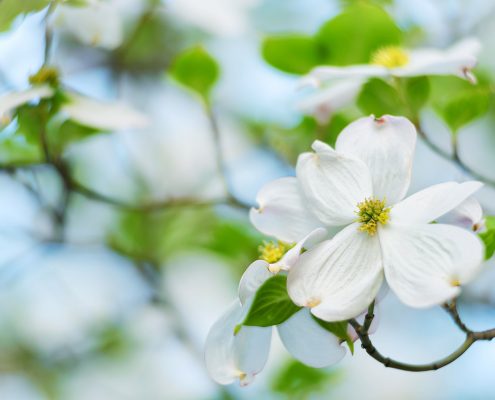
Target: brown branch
{"points": [[471, 337]]}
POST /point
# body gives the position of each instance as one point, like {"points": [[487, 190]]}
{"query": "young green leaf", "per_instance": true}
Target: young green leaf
{"points": [[11, 9], [459, 102], [339, 329], [355, 34], [197, 70], [378, 97], [416, 92], [296, 54], [272, 304], [488, 237]]}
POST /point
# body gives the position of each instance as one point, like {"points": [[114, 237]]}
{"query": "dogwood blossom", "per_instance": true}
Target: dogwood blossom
{"points": [[84, 110], [457, 60], [234, 353], [361, 186]]}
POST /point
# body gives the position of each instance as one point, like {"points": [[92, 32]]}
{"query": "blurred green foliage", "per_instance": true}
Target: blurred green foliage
{"points": [[406, 96], [11, 9], [488, 237], [297, 381], [459, 102], [349, 38], [197, 70]]}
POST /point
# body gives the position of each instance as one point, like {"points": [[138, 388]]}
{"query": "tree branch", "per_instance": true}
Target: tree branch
{"points": [[471, 337], [454, 157]]}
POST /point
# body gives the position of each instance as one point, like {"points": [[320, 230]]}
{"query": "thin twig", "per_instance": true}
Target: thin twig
{"points": [[471, 337], [454, 157]]}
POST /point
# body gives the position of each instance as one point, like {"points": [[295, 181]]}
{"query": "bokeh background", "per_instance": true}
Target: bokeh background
{"points": [[108, 293]]}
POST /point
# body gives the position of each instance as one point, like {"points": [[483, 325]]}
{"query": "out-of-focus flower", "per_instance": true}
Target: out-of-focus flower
{"points": [[98, 23], [90, 112], [457, 60], [361, 186], [237, 352], [332, 98], [219, 17]]}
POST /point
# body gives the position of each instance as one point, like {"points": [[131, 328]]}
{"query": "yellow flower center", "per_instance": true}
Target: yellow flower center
{"points": [[272, 252], [390, 57], [372, 212]]}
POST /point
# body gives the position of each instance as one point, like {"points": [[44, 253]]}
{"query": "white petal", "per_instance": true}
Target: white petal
{"points": [[99, 24], [323, 103], [292, 256], [468, 215], [339, 278], [12, 100], [308, 342], [424, 264], [428, 204], [386, 145], [103, 115], [333, 183], [232, 357], [323, 74], [254, 276], [458, 60], [283, 212]]}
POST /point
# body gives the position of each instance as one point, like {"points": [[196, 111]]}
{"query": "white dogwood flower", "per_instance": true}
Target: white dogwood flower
{"points": [[239, 353], [328, 100], [457, 60], [106, 116], [361, 186]]}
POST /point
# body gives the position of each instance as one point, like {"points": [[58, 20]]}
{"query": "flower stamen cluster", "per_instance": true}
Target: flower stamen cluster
{"points": [[390, 57], [372, 212], [271, 252]]}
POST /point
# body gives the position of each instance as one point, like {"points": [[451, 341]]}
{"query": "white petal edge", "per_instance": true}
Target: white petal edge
{"points": [[457, 60], [425, 264], [282, 211], [103, 115], [338, 278], [324, 74], [468, 215], [431, 203], [333, 183], [328, 100], [254, 276], [308, 342], [12, 100], [239, 357], [386, 145], [292, 256]]}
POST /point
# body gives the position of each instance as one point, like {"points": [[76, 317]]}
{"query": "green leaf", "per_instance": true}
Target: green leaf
{"points": [[458, 102], [11, 9], [416, 92], [298, 381], [355, 34], [197, 70], [61, 136], [296, 54], [272, 304], [488, 237], [378, 97], [339, 329]]}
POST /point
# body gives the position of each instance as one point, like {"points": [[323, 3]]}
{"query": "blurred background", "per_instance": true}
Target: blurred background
{"points": [[110, 280]]}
